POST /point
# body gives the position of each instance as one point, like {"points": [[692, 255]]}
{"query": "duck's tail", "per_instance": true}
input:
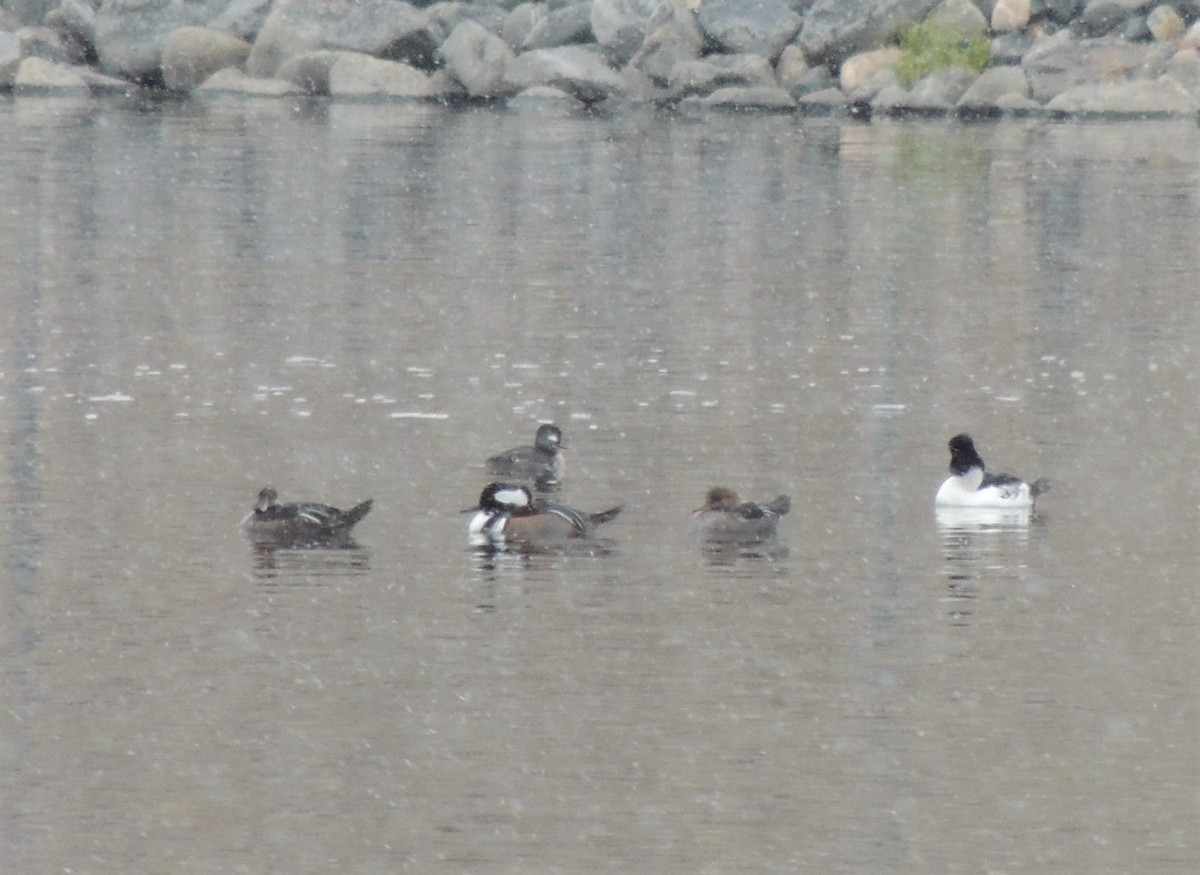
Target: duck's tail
{"points": [[1037, 487], [780, 505], [604, 516], [351, 517]]}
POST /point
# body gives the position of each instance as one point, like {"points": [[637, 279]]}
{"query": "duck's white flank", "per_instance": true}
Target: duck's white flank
{"points": [[967, 490]]}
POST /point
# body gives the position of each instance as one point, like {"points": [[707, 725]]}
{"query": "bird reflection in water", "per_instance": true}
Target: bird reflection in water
{"points": [[336, 558], [982, 545]]}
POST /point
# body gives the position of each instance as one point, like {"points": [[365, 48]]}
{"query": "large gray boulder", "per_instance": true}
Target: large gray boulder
{"points": [[294, 27], [581, 71], [566, 26], [1061, 62], [233, 82], [390, 29], [1139, 97], [520, 22], [836, 29], [10, 58], [130, 33], [192, 54], [28, 11], [620, 26], [40, 76], [714, 72], [768, 97], [759, 27], [364, 77], [477, 60], [77, 20], [1100, 17], [672, 37], [241, 18], [985, 94], [309, 70]]}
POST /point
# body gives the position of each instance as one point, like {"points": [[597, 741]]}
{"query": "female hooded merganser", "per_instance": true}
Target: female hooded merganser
{"points": [[725, 517], [308, 524], [969, 486], [541, 463], [507, 513]]}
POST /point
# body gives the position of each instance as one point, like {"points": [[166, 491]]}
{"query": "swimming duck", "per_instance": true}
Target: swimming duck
{"points": [[307, 524], [542, 463], [507, 513], [725, 517], [970, 486]]}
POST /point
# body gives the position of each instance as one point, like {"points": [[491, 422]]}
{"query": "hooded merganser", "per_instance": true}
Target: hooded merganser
{"points": [[307, 524], [507, 513], [969, 486], [541, 463], [725, 517]]}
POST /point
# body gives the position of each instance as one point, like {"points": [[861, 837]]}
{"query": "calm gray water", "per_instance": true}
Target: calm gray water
{"points": [[366, 301]]}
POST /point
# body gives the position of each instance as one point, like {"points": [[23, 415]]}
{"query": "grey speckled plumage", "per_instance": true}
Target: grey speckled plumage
{"points": [[303, 524], [541, 464], [725, 517]]}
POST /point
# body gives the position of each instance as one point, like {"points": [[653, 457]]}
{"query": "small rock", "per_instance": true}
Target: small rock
{"points": [[823, 101], [39, 76], [1100, 17], [232, 81], [1165, 24], [859, 69], [1010, 15], [817, 78], [790, 67], [959, 17]]}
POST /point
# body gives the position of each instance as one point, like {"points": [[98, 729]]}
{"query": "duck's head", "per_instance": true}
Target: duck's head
{"points": [[549, 438], [267, 498], [721, 498], [963, 456]]}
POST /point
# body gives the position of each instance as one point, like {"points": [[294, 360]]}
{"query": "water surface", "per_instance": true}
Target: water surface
{"points": [[366, 301]]}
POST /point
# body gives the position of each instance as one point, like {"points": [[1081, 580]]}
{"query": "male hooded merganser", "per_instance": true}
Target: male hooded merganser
{"points": [[969, 486], [507, 513], [309, 524], [725, 517], [541, 463]]}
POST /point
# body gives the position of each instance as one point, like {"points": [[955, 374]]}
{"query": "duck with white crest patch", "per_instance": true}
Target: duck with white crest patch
{"points": [[969, 485], [507, 514]]}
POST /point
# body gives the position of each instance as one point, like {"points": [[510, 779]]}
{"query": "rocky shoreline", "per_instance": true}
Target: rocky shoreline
{"points": [[1113, 58]]}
